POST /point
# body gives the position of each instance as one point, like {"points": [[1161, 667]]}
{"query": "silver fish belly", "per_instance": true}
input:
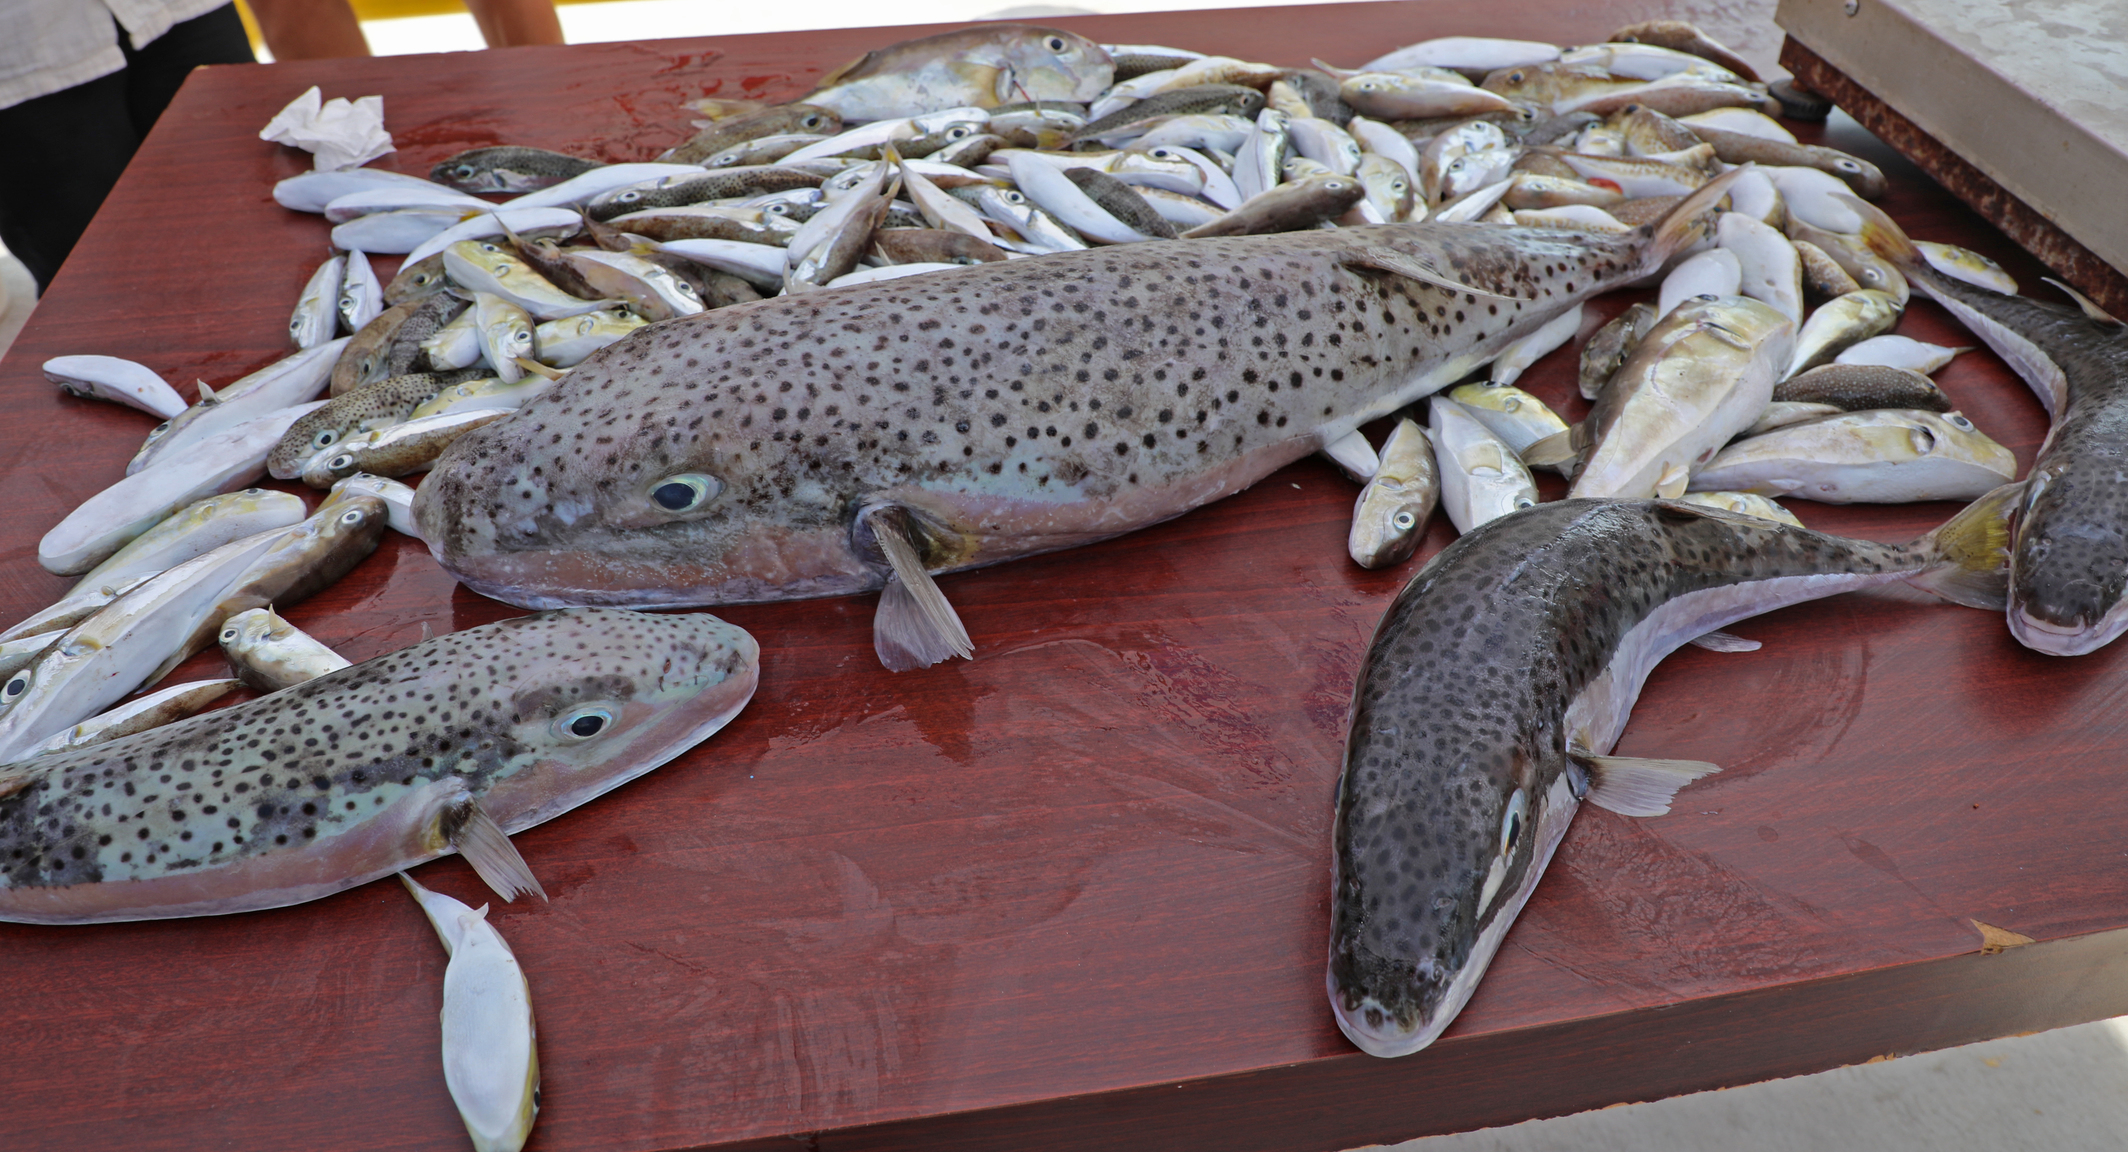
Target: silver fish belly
{"points": [[361, 773], [1003, 410], [1495, 684]]}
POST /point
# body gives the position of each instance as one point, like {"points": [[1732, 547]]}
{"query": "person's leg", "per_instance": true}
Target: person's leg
{"points": [[515, 23], [309, 29], [153, 73], [65, 150]]}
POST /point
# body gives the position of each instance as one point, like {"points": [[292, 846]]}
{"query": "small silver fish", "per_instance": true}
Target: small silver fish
{"points": [[1393, 508], [269, 654], [316, 313]]}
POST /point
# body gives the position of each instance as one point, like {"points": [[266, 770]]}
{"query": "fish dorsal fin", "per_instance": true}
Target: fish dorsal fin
{"points": [[488, 849], [1724, 642], [1672, 483], [837, 76], [915, 626], [1380, 258], [2084, 302], [1354, 456], [1553, 450], [206, 393], [1631, 786]]}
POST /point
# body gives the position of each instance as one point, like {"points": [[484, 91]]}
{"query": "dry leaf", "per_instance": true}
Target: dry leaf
{"points": [[1994, 940]]}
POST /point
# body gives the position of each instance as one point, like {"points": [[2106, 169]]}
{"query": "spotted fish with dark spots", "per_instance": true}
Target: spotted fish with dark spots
{"points": [[1496, 684], [868, 437], [2069, 562], [450, 744]]}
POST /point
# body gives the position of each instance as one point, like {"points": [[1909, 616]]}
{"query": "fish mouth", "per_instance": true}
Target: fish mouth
{"points": [[2067, 640], [1373, 1028]]}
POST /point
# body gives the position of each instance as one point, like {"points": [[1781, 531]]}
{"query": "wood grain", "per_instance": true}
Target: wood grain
{"points": [[1072, 893]]}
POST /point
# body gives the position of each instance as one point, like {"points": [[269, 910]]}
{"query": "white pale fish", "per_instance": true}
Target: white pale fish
{"points": [[1754, 195], [105, 657], [827, 222], [395, 197], [1743, 504], [316, 313], [456, 344], [564, 343], [1899, 352], [1637, 176], [1841, 323], [1208, 130], [402, 230], [118, 381], [1037, 232], [1056, 194], [163, 706], [1392, 193], [1465, 54], [1394, 506], [490, 1044], [527, 222], [1967, 265], [940, 210], [1811, 197], [578, 189], [312, 191], [1515, 416], [1714, 272], [1701, 375], [1635, 61], [1382, 140], [1516, 358], [1218, 186], [488, 266], [191, 531], [1482, 479], [491, 394], [1882, 456], [1743, 121], [762, 265], [1257, 166], [269, 654], [1768, 268], [1325, 143], [361, 293], [1184, 212], [294, 379], [890, 272], [398, 499], [105, 522], [505, 333], [1571, 217], [1476, 204]]}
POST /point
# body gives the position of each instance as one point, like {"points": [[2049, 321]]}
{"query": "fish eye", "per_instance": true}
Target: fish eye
{"points": [[959, 132], [228, 637], [686, 493], [629, 197], [159, 430], [1511, 826], [343, 460], [1055, 43], [324, 438], [1013, 196], [1404, 520], [496, 248], [15, 687], [778, 209], [582, 723], [811, 121], [295, 324], [1959, 422], [1515, 77], [425, 277], [1522, 502], [351, 516]]}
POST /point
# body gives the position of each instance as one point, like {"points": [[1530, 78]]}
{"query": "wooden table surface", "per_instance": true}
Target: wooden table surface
{"points": [[1073, 893]]}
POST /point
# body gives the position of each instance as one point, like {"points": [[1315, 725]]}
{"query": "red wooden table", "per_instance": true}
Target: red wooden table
{"points": [[1071, 894]]}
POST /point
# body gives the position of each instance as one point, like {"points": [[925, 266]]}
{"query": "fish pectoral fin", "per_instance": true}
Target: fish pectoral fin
{"points": [[915, 626], [487, 848], [1631, 786], [2090, 306], [1672, 484], [1352, 454], [1553, 450], [1718, 641], [1379, 258], [838, 75]]}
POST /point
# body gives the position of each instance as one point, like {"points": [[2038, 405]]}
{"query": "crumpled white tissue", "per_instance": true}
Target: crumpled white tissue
{"points": [[338, 133]]}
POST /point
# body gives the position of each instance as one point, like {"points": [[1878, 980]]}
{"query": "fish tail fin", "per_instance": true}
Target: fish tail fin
{"points": [[1685, 224], [1973, 551], [1884, 236]]}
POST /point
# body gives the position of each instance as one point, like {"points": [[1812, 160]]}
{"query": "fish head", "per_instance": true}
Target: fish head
{"points": [[1052, 64], [593, 697], [1426, 887], [2069, 567], [647, 501]]}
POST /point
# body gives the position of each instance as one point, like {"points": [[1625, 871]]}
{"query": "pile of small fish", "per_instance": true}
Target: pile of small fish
{"points": [[1005, 291]]}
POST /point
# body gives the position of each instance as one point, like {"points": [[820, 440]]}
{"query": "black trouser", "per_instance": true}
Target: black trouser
{"points": [[65, 150]]}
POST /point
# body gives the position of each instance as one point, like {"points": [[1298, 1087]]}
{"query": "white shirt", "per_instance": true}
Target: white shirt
{"points": [[53, 45]]}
